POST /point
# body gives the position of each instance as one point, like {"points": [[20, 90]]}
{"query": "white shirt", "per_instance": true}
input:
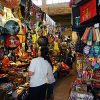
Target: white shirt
{"points": [[42, 72]]}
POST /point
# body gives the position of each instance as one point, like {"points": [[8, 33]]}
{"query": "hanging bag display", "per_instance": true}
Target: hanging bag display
{"points": [[91, 53], [94, 35], [86, 49], [96, 50], [85, 36], [90, 36]]}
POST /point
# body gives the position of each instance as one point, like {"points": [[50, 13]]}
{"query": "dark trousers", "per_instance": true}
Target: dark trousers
{"points": [[37, 93], [50, 88]]}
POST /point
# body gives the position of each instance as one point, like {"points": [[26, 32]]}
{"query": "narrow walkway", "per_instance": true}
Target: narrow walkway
{"points": [[62, 88]]}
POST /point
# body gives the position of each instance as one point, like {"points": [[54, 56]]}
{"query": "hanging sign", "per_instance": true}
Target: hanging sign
{"points": [[88, 11]]}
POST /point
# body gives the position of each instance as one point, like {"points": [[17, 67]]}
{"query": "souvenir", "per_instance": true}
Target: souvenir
{"points": [[3, 30], [94, 35], [91, 53], [86, 50], [85, 36], [12, 42], [96, 50], [12, 27]]}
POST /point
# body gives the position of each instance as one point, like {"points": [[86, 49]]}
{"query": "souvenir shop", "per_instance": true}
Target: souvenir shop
{"points": [[86, 23], [22, 29]]}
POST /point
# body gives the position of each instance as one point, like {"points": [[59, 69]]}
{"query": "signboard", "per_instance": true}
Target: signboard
{"points": [[88, 11]]}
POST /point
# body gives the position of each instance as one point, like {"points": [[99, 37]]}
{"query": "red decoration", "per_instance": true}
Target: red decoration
{"points": [[88, 11], [12, 41]]}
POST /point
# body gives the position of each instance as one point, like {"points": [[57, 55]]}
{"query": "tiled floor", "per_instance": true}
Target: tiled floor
{"points": [[62, 88]]}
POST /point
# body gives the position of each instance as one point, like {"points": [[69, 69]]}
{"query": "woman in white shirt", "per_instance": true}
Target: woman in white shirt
{"points": [[40, 72]]}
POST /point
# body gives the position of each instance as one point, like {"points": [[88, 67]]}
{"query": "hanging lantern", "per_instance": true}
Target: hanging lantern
{"points": [[10, 3]]}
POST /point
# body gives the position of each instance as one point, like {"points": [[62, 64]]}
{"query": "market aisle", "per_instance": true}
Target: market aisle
{"points": [[62, 88]]}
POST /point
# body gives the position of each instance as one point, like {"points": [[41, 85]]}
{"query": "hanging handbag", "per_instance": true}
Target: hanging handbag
{"points": [[90, 36], [85, 35], [94, 35]]}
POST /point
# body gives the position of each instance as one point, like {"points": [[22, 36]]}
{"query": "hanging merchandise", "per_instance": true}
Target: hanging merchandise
{"points": [[94, 35], [86, 49], [85, 35], [91, 35], [24, 28], [21, 32], [33, 12], [17, 12], [12, 27], [74, 36], [34, 38], [3, 30], [28, 43], [12, 42], [1, 10], [97, 32], [56, 46], [89, 40], [10, 3], [96, 78]]}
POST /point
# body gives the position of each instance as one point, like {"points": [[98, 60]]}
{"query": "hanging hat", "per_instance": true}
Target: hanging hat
{"points": [[12, 27], [12, 42]]}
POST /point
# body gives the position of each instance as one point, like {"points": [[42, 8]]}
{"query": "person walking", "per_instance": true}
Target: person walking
{"points": [[40, 73]]}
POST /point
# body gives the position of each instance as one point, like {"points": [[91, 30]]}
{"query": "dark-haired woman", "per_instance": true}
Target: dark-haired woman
{"points": [[40, 73]]}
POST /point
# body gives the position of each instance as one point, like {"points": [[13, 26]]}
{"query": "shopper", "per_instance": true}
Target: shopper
{"points": [[50, 87], [40, 73]]}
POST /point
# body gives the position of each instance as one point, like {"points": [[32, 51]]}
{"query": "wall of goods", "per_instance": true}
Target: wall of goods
{"points": [[86, 24], [21, 25]]}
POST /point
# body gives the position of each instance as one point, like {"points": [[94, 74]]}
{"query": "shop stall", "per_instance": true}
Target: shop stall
{"points": [[86, 86], [18, 44]]}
